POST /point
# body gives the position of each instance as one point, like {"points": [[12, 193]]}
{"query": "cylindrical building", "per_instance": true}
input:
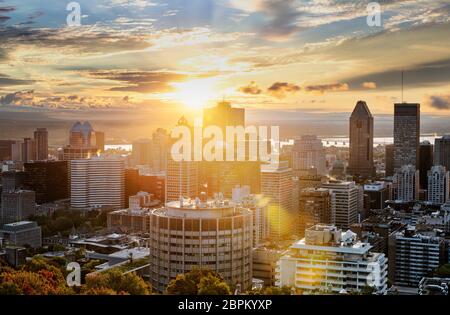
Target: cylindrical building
{"points": [[193, 234]]}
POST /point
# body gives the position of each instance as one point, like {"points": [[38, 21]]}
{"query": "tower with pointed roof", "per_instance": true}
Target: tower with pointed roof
{"points": [[361, 142]]}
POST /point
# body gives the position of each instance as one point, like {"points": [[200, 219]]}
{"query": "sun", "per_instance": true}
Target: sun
{"points": [[195, 93]]}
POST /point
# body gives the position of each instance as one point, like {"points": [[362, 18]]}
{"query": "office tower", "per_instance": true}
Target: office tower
{"points": [[426, 153], [154, 183], [406, 135], [41, 141], [338, 170], [389, 160], [307, 153], [49, 179], [81, 143], [223, 115], [344, 202], [17, 205], [361, 142], [276, 186], [100, 140], [215, 234], [13, 180], [377, 194], [131, 183], [413, 255], [23, 233], [329, 260], [160, 149], [28, 150], [407, 181], [16, 151], [438, 185], [314, 208], [6, 149], [97, 182], [442, 152], [142, 152]]}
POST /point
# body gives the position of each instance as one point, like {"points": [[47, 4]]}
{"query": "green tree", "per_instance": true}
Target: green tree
{"points": [[198, 282], [443, 271], [115, 281]]}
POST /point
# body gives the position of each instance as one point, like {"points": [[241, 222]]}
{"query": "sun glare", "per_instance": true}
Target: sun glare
{"points": [[195, 93]]}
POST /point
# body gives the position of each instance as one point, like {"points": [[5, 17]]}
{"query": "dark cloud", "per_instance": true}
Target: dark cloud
{"points": [[8, 81], [251, 88], [441, 102], [282, 18], [335, 87], [280, 89]]}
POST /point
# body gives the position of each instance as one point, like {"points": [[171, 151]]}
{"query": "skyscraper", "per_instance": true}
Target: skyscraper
{"points": [[97, 182], [426, 153], [222, 115], [438, 185], [314, 208], [442, 152], [361, 142], [81, 143], [28, 150], [100, 140], [307, 153], [407, 181], [389, 160], [344, 202], [41, 141], [406, 135], [142, 152], [276, 186]]}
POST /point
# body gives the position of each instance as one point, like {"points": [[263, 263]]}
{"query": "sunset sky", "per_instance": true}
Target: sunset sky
{"points": [[317, 56]]}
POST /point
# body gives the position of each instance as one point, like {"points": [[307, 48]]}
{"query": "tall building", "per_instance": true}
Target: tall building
{"points": [[215, 235], [438, 185], [48, 179], [276, 186], [426, 152], [442, 152], [22, 233], [6, 149], [328, 260], [389, 160], [142, 152], [154, 183], [100, 140], [160, 150], [222, 115], [314, 208], [361, 142], [97, 182], [344, 202], [131, 183], [41, 141], [406, 135], [17, 206], [308, 152], [13, 180], [28, 150], [377, 193], [82, 143], [413, 256], [407, 181]]}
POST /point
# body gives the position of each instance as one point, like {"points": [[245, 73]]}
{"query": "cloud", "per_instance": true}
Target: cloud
{"points": [[8, 81], [280, 89], [369, 85], [251, 88], [440, 102], [321, 89]]}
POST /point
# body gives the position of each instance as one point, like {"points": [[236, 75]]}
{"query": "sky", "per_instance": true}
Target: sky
{"points": [[280, 58]]}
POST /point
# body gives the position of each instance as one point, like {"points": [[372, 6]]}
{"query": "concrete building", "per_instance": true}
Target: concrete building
{"points": [[377, 193], [41, 141], [389, 160], [331, 261], [142, 152], [22, 233], [438, 185], [406, 135], [314, 208], [361, 142], [17, 205], [412, 256], [442, 152], [82, 143], [407, 183], [264, 264], [308, 152], [276, 186], [97, 182], [426, 154], [344, 202], [192, 234]]}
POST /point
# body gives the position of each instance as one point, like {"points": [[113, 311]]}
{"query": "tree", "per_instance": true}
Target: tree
{"points": [[271, 291], [443, 271], [198, 282], [114, 281]]}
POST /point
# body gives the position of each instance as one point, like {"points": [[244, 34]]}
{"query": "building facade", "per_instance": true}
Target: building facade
{"points": [[22, 233], [344, 202], [438, 185], [407, 183], [406, 135], [308, 152]]}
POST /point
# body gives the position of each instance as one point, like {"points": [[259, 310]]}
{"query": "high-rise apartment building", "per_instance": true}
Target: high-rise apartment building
{"points": [[17, 206], [406, 135], [438, 185], [361, 142], [328, 260], [442, 152], [276, 186], [97, 182], [314, 208], [187, 235], [41, 141], [407, 183], [28, 150], [344, 202], [308, 152]]}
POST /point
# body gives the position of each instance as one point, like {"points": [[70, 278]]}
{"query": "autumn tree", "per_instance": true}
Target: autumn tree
{"points": [[113, 281], [198, 282]]}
